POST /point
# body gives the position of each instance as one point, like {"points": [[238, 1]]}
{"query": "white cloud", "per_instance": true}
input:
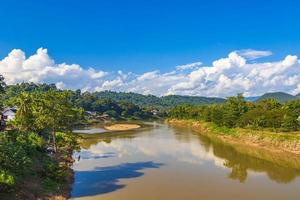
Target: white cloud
{"points": [[231, 75], [189, 66], [148, 76], [41, 68], [226, 76], [252, 54]]}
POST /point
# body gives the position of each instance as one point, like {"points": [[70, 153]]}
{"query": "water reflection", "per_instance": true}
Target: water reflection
{"points": [[280, 167], [92, 156], [240, 163], [192, 163], [92, 139], [106, 179], [90, 130]]}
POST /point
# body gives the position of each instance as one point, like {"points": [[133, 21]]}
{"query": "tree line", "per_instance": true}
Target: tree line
{"points": [[123, 107], [237, 112]]}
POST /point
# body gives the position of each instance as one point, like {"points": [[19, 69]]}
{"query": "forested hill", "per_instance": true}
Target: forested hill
{"points": [[172, 100], [279, 96], [135, 98], [154, 101], [139, 99], [86, 99]]}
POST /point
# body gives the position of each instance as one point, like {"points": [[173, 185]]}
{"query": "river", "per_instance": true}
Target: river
{"points": [[162, 162]]}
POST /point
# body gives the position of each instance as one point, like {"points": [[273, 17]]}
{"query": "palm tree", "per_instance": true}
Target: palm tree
{"points": [[24, 117]]}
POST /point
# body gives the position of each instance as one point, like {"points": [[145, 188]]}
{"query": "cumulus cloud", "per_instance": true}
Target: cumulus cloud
{"points": [[252, 54], [189, 66], [224, 77], [231, 75], [41, 68]]}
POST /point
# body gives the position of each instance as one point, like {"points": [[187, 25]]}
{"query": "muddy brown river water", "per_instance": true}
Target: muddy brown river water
{"points": [[163, 162]]}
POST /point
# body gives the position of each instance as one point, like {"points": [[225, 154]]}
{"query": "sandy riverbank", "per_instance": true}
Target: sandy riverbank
{"points": [[121, 127]]}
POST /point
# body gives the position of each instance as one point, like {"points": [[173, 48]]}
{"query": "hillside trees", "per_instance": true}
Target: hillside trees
{"points": [[236, 112]]}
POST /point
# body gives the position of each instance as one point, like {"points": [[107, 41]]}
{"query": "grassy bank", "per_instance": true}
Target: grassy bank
{"points": [[27, 171], [263, 139]]}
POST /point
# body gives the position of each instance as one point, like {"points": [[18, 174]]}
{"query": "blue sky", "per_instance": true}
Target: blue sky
{"points": [[146, 35], [244, 46]]}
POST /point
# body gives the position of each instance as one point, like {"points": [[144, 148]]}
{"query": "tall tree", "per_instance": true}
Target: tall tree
{"points": [[54, 112], [24, 117]]}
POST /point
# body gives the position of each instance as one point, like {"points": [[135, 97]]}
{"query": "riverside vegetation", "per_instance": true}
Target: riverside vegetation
{"points": [[266, 123], [36, 147]]}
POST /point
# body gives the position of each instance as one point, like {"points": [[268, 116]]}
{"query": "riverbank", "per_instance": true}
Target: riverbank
{"points": [[122, 127], [34, 172], [260, 139], [65, 160]]}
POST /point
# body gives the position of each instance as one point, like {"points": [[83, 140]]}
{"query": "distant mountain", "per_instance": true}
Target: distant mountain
{"points": [[135, 98], [171, 100], [280, 96], [154, 101], [252, 99]]}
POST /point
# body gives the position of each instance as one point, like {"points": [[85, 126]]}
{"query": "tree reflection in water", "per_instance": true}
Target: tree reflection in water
{"points": [[281, 168]]}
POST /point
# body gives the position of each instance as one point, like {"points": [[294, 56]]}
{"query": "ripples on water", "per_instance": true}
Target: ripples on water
{"points": [[174, 163]]}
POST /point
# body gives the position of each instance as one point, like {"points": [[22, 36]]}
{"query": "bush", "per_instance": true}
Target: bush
{"points": [[7, 180], [52, 170], [19, 151], [23, 154], [67, 140]]}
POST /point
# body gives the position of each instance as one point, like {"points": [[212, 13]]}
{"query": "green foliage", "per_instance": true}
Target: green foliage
{"points": [[254, 118], [222, 129], [13, 155], [122, 109], [2, 85], [17, 155], [236, 112], [172, 100], [49, 185], [52, 170], [23, 154], [53, 111], [46, 112], [217, 114], [7, 180], [234, 108], [291, 117], [24, 116], [86, 100], [67, 140], [41, 111]]}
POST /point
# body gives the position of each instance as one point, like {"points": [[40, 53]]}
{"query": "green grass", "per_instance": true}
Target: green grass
{"points": [[222, 130]]}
